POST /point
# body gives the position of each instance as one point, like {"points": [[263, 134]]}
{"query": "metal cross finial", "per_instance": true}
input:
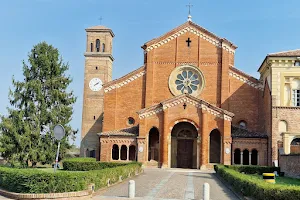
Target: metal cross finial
{"points": [[189, 5], [100, 19]]}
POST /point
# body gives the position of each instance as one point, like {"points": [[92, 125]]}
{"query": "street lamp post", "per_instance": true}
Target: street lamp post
{"points": [[59, 133]]}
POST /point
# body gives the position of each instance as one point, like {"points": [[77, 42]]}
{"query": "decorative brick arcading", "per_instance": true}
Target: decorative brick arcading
{"points": [[128, 80], [199, 104], [202, 35], [246, 80]]}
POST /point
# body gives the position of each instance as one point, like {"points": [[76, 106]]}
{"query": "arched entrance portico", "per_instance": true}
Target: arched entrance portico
{"points": [[184, 145]]}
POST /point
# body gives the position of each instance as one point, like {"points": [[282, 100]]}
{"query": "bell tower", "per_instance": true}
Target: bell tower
{"points": [[97, 71]]}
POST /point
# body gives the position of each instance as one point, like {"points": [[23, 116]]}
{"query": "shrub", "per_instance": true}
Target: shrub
{"points": [[250, 185], [38, 181], [250, 169], [100, 177], [80, 164]]}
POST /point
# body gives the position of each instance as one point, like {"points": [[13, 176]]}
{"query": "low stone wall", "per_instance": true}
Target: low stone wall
{"points": [[81, 195], [289, 164]]}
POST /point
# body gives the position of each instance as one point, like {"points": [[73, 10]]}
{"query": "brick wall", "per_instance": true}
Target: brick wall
{"points": [[123, 102], [243, 102], [291, 116], [289, 164]]}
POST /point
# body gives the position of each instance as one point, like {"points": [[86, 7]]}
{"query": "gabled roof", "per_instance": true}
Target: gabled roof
{"points": [[117, 83], [185, 98], [194, 28], [237, 132], [131, 131], [289, 53], [250, 80]]}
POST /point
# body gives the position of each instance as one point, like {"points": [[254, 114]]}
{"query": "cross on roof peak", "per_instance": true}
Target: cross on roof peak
{"points": [[100, 19], [189, 16]]}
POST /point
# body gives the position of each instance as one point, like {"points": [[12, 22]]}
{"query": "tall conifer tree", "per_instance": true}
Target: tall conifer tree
{"points": [[41, 100]]}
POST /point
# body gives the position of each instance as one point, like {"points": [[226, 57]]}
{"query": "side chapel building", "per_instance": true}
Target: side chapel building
{"points": [[188, 106]]}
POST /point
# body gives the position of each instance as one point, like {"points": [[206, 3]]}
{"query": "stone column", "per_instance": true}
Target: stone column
{"points": [[286, 144], [204, 140], [127, 153], [120, 152], [257, 158], [164, 138], [169, 151], [241, 157], [232, 157], [250, 153], [198, 152]]}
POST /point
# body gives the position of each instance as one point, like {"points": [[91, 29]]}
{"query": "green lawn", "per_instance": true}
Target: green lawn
{"points": [[49, 169], [282, 180]]}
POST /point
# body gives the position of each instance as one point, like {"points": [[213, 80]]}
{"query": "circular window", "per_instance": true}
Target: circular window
{"points": [[130, 121], [243, 124], [186, 80]]}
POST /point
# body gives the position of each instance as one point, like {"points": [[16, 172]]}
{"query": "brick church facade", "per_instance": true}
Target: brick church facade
{"points": [[188, 106]]}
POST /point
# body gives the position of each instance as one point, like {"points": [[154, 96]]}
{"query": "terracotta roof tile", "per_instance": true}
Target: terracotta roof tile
{"points": [[295, 52], [131, 131], [237, 132]]}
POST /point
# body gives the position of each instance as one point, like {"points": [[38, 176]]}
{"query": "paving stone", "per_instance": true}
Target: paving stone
{"points": [[170, 184]]}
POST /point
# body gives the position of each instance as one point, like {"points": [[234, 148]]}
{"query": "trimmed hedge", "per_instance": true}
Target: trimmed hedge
{"points": [[250, 169], [83, 164], [81, 159], [252, 186], [38, 181]]}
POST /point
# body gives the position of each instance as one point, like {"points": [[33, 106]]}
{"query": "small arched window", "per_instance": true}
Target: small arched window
{"points": [[282, 126], [242, 124], [103, 47], [92, 47], [98, 45]]}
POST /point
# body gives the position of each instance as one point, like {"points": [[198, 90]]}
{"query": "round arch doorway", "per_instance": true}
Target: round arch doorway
{"points": [[184, 145]]}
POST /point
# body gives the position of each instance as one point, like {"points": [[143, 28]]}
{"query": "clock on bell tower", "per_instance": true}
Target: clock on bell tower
{"points": [[97, 71]]}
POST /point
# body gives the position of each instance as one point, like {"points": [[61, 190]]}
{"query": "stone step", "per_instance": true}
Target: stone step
{"points": [[151, 164]]}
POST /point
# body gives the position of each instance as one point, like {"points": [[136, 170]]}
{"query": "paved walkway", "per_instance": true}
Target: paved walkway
{"points": [[170, 184]]}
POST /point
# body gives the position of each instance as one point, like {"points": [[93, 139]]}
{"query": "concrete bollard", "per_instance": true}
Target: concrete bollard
{"points": [[131, 189], [205, 191]]}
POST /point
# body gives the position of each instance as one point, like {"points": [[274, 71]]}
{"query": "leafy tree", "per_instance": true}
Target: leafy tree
{"points": [[41, 100]]}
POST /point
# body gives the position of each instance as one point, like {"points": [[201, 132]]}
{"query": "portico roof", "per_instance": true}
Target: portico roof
{"points": [[238, 132], [185, 98], [131, 131]]}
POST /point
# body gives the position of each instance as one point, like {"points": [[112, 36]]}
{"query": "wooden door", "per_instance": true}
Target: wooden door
{"points": [[185, 153]]}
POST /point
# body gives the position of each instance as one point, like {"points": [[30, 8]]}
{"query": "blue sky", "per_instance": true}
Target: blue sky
{"points": [[257, 27]]}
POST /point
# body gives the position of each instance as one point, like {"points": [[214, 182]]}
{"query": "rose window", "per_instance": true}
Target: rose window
{"points": [[187, 82], [186, 79]]}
